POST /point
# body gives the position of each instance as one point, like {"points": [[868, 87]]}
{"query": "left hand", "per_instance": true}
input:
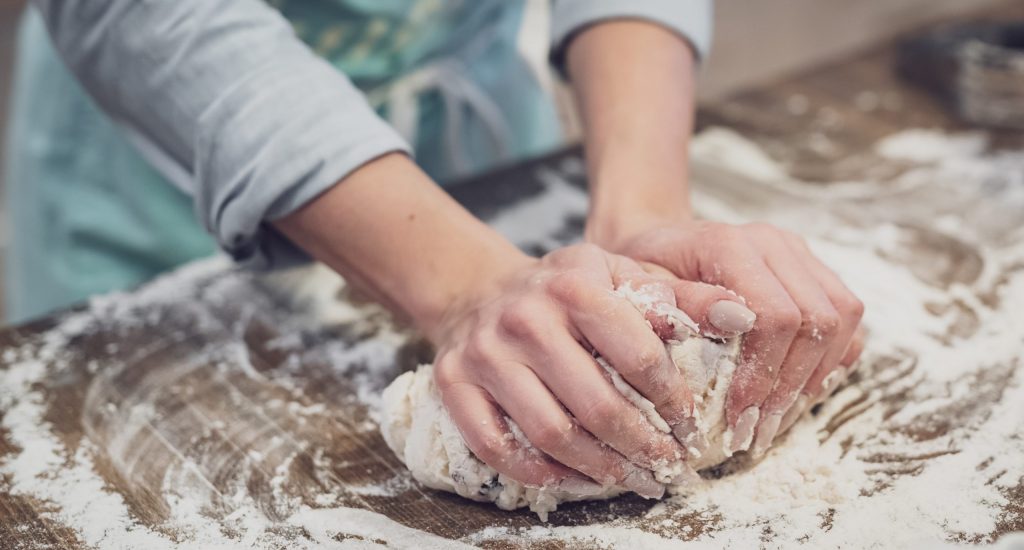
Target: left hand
{"points": [[805, 337]]}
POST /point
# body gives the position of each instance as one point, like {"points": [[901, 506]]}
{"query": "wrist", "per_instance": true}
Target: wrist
{"points": [[614, 234], [446, 302], [625, 203], [638, 118], [393, 233]]}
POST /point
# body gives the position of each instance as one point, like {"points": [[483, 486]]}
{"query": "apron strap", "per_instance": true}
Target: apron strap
{"points": [[448, 77]]}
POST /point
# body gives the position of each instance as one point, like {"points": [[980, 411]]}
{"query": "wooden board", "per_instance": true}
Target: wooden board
{"points": [[202, 389]]}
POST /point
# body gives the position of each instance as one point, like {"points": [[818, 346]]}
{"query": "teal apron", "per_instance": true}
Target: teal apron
{"points": [[90, 216]]}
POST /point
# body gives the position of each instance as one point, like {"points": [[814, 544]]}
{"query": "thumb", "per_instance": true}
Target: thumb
{"points": [[718, 312], [648, 288]]}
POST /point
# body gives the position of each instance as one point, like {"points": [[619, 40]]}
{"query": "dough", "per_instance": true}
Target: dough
{"points": [[418, 429]]}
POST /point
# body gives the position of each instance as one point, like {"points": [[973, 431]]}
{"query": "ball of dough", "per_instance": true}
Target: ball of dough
{"points": [[417, 427]]}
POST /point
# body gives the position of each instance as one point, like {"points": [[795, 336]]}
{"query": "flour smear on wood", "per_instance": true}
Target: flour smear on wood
{"points": [[923, 444]]}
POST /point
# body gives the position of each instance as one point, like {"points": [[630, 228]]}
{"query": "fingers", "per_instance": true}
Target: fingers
{"points": [[855, 348], [777, 322], [796, 410], [829, 373], [584, 388], [547, 426], [827, 377], [618, 332], [819, 326], [844, 348], [805, 401], [804, 317], [483, 427], [710, 310]]}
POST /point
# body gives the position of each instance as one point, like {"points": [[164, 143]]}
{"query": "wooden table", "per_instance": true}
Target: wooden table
{"points": [[222, 380]]}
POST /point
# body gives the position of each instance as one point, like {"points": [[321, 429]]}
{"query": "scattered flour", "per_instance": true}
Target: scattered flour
{"points": [[925, 444]]}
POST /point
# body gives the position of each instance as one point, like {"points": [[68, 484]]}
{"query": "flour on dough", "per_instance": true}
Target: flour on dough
{"points": [[416, 426]]}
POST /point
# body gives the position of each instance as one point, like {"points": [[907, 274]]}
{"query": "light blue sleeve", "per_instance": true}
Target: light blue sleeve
{"points": [[691, 19], [227, 103]]}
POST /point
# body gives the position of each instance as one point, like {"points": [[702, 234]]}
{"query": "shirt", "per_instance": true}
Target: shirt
{"points": [[224, 100]]}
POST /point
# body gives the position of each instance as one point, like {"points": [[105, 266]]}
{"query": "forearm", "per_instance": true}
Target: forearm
{"points": [[634, 83], [394, 233]]}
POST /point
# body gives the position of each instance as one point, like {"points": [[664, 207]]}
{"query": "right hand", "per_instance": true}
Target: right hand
{"points": [[519, 346], [806, 336]]}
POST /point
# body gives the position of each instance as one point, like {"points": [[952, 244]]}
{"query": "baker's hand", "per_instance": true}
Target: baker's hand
{"points": [[520, 345], [806, 334]]}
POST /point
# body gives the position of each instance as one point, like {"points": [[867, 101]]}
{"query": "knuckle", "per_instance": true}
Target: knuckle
{"points": [[820, 325], [728, 234], [599, 413], [492, 450], [650, 373], [784, 319], [761, 227], [653, 449], [852, 306], [748, 387], [568, 287], [522, 320], [446, 372], [766, 230], [650, 358], [552, 437], [480, 346], [675, 408]]}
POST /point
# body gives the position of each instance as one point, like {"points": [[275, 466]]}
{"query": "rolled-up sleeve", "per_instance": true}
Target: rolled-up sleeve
{"points": [[223, 99], [691, 19]]}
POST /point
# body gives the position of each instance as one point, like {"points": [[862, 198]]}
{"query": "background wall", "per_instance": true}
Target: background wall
{"points": [[755, 41]]}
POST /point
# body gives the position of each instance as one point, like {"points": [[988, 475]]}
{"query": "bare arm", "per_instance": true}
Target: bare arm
{"points": [[635, 85], [508, 327], [634, 82], [396, 234]]}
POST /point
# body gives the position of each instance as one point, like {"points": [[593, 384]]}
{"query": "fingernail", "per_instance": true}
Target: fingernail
{"points": [[642, 483], [688, 433], [766, 434], [580, 486], [731, 317], [743, 432], [794, 412]]}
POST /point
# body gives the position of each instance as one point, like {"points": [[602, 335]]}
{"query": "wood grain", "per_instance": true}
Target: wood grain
{"points": [[206, 396]]}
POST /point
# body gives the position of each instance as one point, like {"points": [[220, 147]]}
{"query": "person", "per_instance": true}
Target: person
{"points": [[269, 120]]}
